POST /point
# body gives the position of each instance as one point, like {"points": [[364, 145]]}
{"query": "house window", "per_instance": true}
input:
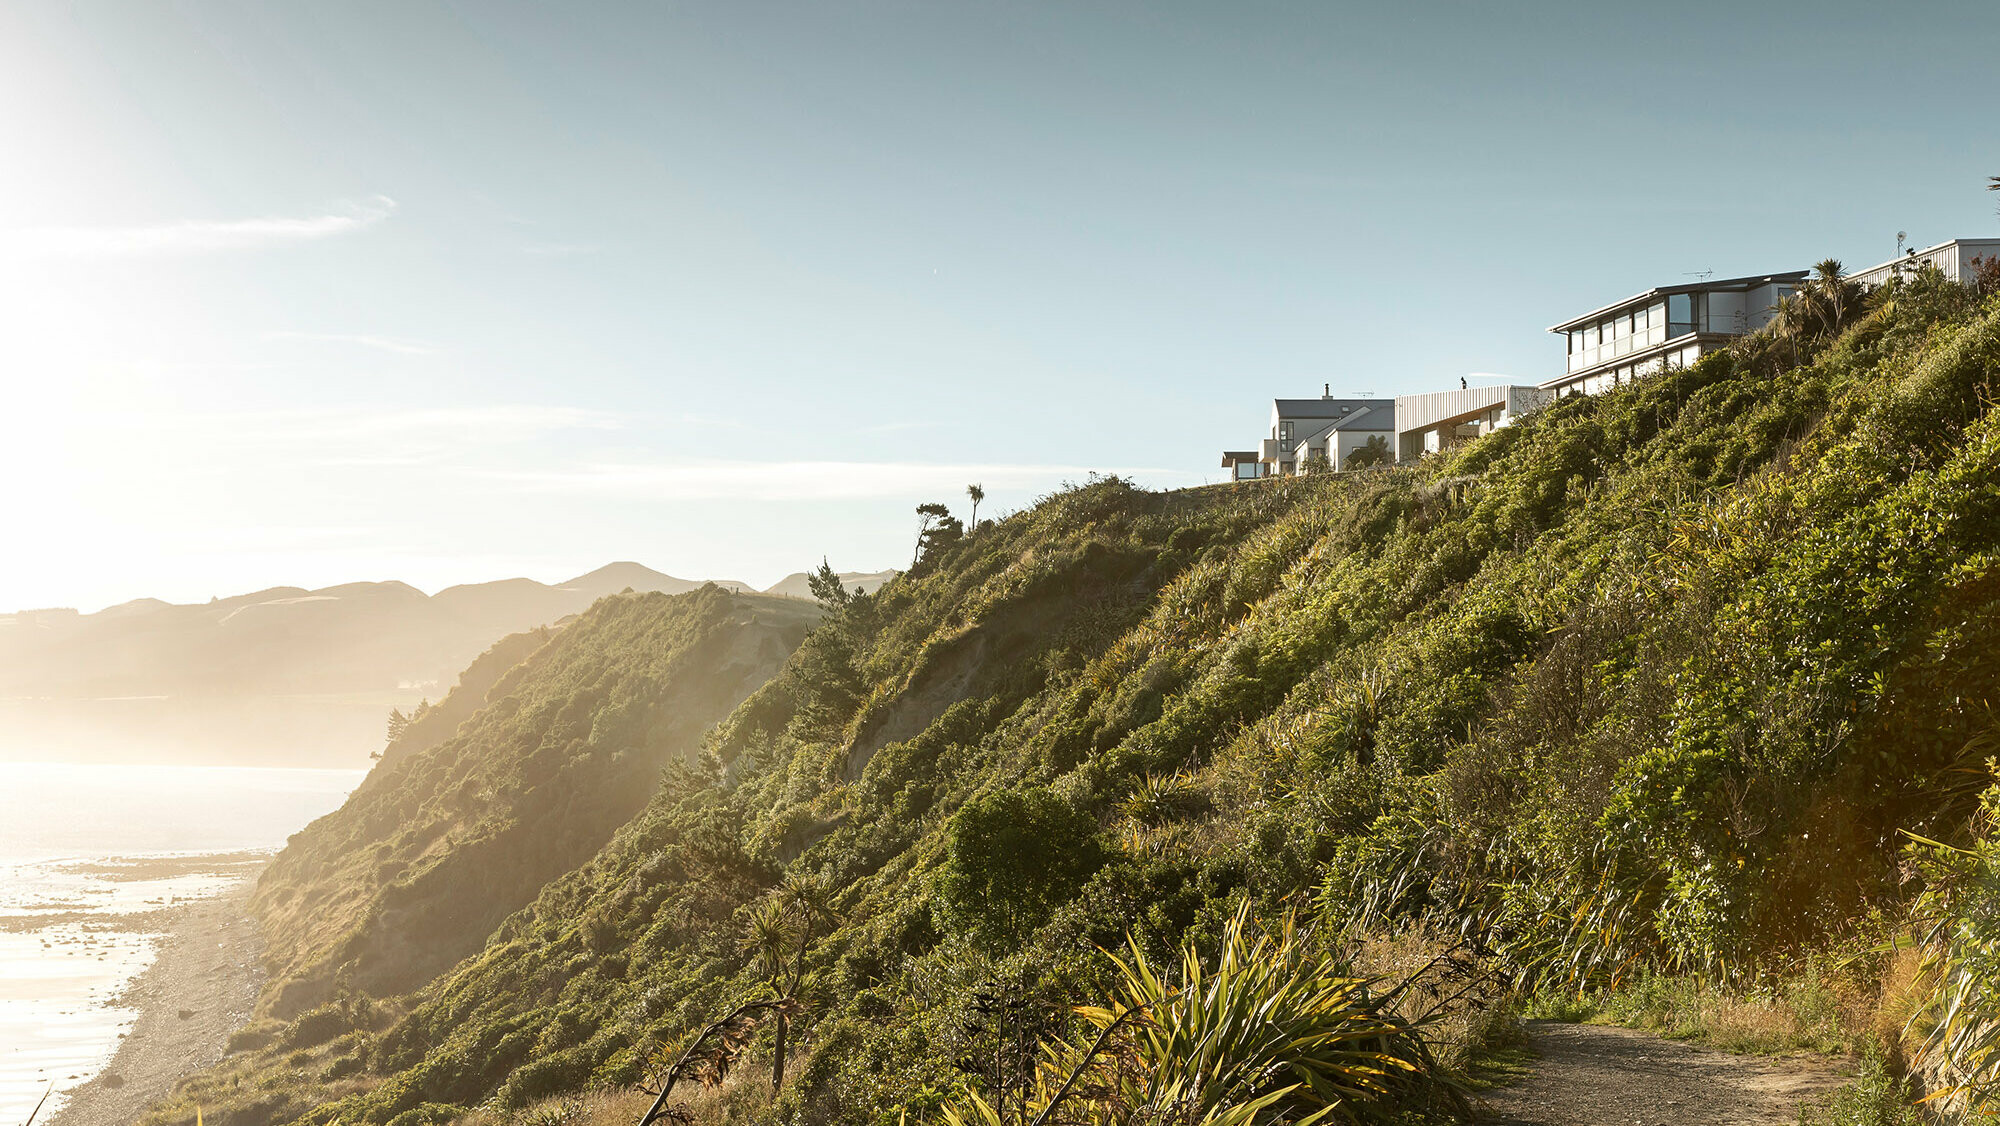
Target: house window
{"points": [[1680, 315], [1284, 431]]}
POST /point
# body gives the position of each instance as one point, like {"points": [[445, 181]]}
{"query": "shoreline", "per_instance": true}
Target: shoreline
{"points": [[199, 989]]}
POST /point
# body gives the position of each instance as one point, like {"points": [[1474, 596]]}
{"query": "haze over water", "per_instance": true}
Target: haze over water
{"points": [[68, 894]]}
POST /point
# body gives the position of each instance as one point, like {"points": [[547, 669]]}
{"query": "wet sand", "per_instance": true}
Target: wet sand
{"points": [[198, 989]]}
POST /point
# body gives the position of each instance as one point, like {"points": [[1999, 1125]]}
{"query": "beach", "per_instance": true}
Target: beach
{"points": [[102, 958], [123, 894], [198, 989]]}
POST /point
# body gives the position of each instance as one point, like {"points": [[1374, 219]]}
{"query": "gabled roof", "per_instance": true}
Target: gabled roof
{"points": [[1751, 281], [1340, 414]]}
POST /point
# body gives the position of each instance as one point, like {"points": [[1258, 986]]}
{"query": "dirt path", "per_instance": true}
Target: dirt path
{"points": [[197, 992], [1590, 1075]]}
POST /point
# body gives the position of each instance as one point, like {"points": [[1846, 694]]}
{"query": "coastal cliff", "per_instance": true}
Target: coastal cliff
{"points": [[1680, 661]]}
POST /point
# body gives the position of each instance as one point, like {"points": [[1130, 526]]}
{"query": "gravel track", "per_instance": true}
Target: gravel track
{"points": [[1593, 1075]]}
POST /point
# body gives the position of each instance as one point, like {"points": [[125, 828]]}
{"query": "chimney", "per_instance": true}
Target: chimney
{"points": [[1326, 390]]}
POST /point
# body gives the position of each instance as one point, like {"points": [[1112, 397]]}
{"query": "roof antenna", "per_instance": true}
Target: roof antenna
{"points": [[1702, 274], [1900, 236]]}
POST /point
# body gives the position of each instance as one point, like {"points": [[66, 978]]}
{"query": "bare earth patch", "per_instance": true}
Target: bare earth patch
{"points": [[1592, 1075]]}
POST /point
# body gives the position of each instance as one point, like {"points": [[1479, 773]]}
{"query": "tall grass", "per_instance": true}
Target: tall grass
{"points": [[1956, 1025], [1876, 1097], [1809, 1009]]}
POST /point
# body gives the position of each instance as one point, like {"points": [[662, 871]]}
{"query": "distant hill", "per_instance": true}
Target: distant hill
{"points": [[357, 637], [615, 577], [354, 638], [794, 585], [284, 675]]}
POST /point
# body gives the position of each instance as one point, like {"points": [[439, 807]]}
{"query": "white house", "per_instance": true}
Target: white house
{"points": [[1303, 430], [1442, 419], [1958, 258], [1670, 326]]}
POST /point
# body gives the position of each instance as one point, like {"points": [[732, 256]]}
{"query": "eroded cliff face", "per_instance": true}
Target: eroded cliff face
{"points": [[556, 739]]}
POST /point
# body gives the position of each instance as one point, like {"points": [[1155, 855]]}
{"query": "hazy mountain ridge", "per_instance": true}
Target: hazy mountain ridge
{"points": [[354, 637]]}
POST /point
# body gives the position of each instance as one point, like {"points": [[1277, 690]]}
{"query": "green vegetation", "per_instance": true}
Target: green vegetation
{"points": [[1270, 1028], [1011, 858], [549, 743], [1877, 1097], [1375, 453], [1808, 1009], [1956, 1017], [1623, 708]]}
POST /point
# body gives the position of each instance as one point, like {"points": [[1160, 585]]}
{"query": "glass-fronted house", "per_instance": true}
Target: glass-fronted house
{"points": [[1662, 328]]}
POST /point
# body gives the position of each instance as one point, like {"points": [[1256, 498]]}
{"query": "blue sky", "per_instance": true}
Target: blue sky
{"points": [[306, 294]]}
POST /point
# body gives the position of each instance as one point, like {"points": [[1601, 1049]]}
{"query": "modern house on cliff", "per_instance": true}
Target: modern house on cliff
{"points": [[1305, 430], [1670, 326], [1427, 424], [1959, 259]]}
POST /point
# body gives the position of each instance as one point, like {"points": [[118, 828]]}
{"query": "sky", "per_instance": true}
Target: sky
{"points": [[305, 294]]}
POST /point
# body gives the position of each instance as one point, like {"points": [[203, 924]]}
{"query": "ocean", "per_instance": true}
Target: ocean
{"points": [[90, 856]]}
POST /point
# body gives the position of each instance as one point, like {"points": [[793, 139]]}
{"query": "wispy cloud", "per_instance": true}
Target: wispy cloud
{"points": [[379, 343], [357, 437], [559, 249], [567, 452], [200, 236], [453, 425], [801, 480], [894, 427]]}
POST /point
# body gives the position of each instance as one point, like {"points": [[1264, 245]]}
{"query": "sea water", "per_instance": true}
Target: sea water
{"points": [[87, 849]]}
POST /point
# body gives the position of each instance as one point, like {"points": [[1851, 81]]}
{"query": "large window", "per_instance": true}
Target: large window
{"points": [[1631, 331], [1680, 315]]}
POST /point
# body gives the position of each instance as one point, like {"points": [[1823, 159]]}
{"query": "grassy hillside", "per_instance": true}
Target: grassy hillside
{"points": [[1649, 683], [559, 739]]}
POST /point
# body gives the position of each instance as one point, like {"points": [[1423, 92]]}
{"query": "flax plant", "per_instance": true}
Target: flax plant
{"points": [[1270, 1028], [1957, 1021]]}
